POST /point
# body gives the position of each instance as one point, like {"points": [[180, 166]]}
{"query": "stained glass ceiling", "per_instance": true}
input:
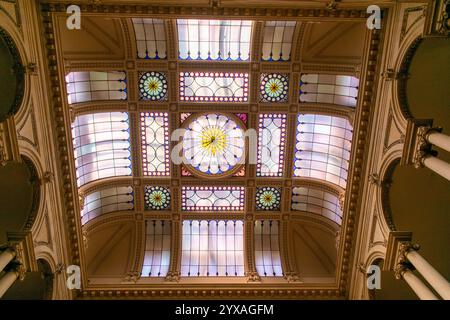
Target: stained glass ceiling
{"points": [[215, 157]]}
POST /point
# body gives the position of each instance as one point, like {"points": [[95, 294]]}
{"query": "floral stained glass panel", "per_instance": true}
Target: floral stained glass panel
{"points": [[196, 198], [155, 143], [271, 145], [156, 198], [213, 86], [153, 86], [274, 87]]}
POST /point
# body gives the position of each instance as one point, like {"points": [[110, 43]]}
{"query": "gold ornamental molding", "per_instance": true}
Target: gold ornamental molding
{"points": [[290, 288]]}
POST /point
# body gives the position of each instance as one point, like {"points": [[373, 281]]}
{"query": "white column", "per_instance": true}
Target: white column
{"points": [[6, 257], [7, 281], [434, 278], [437, 165], [439, 139], [418, 286]]}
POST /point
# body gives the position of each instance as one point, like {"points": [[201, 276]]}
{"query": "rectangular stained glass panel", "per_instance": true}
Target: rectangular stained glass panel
{"points": [[150, 38], [101, 144], [105, 201], [214, 86], [157, 248], [267, 248], [277, 41], [198, 198], [96, 85], [329, 88], [155, 143], [271, 145], [212, 248], [323, 148], [317, 201], [214, 39]]}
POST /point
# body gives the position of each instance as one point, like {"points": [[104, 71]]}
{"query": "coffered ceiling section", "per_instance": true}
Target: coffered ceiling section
{"points": [[253, 192]]}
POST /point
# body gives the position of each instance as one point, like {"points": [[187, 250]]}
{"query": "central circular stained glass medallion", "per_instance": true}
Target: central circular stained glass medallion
{"points": [[214, 144]]}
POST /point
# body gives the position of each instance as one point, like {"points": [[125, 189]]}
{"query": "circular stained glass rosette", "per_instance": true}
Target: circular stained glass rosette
{"points": [[268, 198], [214, 144], [274, 88], [153, 86], [156, 198]]}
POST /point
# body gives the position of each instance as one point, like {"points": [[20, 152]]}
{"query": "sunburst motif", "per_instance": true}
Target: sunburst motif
{"points": [[214, 140], [213, 144], [156, 198], [153, 86], [274, 87], [268, 198]]}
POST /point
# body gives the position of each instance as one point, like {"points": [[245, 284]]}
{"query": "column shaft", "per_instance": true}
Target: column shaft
{"points": [[434, 278], [437, 165], [7, 281], [6, 257], [439, 139], [419, 288]]}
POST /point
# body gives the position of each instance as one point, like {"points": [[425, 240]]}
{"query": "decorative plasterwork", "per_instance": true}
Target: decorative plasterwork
{"points": [[416, 13], [416, 145], [399, 242], [284, 290]]}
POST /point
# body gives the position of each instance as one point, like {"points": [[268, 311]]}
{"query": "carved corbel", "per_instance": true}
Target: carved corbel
{"points": [[292, 277], [132, 276], [253, 276], [172, 276]]}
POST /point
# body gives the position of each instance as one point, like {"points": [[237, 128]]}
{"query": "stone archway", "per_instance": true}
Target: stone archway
{"points": [[12, 85]]}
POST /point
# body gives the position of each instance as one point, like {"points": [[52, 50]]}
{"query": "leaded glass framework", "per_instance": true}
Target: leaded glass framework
{"points": [[105, 201], [329, 88], [323, 148], [157, 248], [101, 144], [277, 41], [150, 38], [214, 39], [85, 86], [214, 87], [267, 248], [212, 248], [155, 143], [271, 145], [317, 201], [199, 198]]}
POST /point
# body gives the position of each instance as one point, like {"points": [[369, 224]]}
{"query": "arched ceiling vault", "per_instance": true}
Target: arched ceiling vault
{"points": [[115, 242]]}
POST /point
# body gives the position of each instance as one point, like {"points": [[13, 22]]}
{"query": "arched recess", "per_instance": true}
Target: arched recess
{"points": [[384, 193], [47, 274], [312, 247], [20, 194], [402, 81], [12, 70]]}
